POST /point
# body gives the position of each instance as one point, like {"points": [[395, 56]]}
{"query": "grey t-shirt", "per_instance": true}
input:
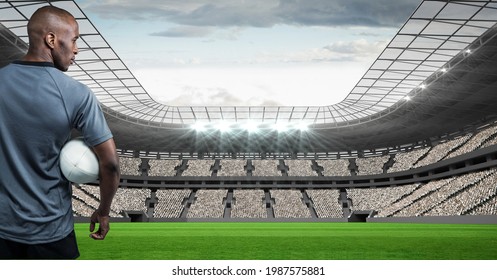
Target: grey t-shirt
{"points": [[39, 106]]}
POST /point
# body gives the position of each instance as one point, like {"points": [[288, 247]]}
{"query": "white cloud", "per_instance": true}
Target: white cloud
{"points": [[341, 51], [260, 13], [184, 31], [288, 86], [359, 48], [198, 96]]}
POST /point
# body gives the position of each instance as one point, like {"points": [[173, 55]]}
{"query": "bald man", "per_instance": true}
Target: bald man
{"points": [[39, 107]]}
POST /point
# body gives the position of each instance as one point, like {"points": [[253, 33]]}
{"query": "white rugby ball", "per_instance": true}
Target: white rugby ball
{"points": [[78, 162]]}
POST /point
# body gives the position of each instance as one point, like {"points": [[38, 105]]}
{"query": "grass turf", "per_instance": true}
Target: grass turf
{"points": [[290, 241]]}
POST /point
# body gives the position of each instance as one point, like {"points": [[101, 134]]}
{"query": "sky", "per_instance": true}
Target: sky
{"points": [[248, 52]]}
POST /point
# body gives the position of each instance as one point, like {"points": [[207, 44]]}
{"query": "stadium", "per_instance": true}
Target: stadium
{"points": [[415, 141]]}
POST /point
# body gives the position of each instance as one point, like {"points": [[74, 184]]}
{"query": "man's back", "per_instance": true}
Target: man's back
{"points": [[39, 105]]}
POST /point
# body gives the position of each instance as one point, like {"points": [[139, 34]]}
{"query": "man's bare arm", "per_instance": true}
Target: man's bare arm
{"points": [[109, 181]]}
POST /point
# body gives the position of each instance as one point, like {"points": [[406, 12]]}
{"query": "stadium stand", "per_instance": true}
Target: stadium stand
{"points": [[266, 167], [377, 199], [83, 204], [130, 166], [451, 196], [326, 202], [470, 193], [334, 167], [87, 199], [170, 203], [475, 196], [423, 190], [289, 204], [441, 150], [489, 208], [492, 141], [300, 168], [406, 160], [428, 201], [163, 167], [127, 199], [80, 208], [371, 165], [208, 204], [198, 168], [248, 204], [232, 167], [474, 142]]}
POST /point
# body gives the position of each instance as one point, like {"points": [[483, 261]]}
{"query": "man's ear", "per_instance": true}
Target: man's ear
{"points": [[50, 40]]}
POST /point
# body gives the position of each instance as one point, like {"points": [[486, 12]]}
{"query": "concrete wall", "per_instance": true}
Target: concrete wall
{"points": [[466, 219]]}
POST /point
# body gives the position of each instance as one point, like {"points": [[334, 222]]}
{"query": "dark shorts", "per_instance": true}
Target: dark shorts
{"points": [[66, 248]]}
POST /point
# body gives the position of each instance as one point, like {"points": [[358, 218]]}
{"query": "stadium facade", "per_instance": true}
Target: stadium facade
{"points": [[415, 138]]}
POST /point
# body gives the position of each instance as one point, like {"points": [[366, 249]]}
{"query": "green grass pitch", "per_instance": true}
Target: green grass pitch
{"points": [[290, 241]]}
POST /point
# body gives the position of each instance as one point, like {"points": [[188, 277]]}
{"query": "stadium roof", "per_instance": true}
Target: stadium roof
{"points": [[436, 76]]}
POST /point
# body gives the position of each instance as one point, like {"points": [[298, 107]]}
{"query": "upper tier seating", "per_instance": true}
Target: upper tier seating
{"points": [[371, 165], [266, 167], [199, 168], [334, 167], [300, 167], [232, 167], [163, 167]]}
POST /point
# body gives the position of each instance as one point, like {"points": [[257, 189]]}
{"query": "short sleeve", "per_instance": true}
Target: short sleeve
{"points": [[90, 121]]}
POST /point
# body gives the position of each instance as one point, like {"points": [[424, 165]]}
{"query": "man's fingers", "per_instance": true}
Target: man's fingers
{"points": [[103, 226], [97, 236]]}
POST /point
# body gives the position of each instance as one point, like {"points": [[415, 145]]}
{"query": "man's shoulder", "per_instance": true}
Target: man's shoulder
{"points": [[66, 82], [57, 75], [8, 68]]}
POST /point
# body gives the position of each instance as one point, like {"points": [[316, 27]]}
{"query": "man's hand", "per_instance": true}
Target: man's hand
{"points": [[103, 227]]}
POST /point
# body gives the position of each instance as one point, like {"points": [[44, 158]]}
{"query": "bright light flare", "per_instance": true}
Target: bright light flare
{"points": [[281, 127], [224, 126], [302, 126], [251, 127], [199, 126]]}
